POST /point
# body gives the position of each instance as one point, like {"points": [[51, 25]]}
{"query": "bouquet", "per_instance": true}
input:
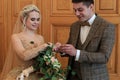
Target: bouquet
{"points": [[49, 66]]}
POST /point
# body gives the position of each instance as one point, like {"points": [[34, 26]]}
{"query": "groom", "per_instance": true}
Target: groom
{"points": [[90, 43]]}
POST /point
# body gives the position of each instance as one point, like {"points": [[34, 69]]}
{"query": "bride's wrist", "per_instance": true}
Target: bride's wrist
{"points": [[47, 44]]}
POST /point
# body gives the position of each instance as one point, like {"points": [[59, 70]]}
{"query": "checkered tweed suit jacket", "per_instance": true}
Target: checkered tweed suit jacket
{"points": [[95, 51]]}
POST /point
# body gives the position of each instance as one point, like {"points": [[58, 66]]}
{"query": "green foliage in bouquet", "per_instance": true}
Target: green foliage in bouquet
{"points": [[49, 66]]}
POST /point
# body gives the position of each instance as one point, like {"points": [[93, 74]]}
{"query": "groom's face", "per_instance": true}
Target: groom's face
{"points": [[82, 11]]}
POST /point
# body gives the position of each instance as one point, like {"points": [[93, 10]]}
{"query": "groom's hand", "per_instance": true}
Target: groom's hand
{"points": [[68, 49], [56, 47]]}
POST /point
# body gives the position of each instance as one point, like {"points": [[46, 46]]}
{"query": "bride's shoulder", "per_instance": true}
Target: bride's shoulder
{"points": [[16, 36]]}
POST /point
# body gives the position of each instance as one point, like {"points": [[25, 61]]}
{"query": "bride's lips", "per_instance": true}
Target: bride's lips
{"points": [[35, 26]]}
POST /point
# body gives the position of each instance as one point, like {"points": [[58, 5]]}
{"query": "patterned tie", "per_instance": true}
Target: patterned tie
{"points": [[85, 23]]}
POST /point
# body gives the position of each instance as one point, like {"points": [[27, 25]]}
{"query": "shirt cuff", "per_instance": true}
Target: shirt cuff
{"points": [[77, 55]]}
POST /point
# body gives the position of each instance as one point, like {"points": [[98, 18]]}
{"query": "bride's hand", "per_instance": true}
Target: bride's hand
{"points": [[56, 47], [20, 77], [25, 73], [50, 44]]}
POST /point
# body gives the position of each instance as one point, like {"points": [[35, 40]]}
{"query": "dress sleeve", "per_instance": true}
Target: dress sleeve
{"points": [[26, 54]]}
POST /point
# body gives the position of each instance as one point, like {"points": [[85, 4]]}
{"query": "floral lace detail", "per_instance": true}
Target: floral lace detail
{"points": [[28, 44]]}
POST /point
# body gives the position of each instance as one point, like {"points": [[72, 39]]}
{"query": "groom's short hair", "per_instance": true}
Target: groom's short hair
{"points": [[85, 2]]}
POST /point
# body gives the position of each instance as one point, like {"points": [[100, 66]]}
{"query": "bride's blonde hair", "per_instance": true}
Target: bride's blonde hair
{"points": [[23, 15]]}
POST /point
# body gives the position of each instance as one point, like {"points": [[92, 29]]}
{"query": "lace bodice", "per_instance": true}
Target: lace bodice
{"points": [[29, 46]]}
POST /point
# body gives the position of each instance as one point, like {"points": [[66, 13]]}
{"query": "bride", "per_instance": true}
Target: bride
{"points": [[25, 44]]}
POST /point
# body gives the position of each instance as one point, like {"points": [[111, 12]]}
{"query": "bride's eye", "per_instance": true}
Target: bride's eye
{"points": [[38, 19], [32, 19]]}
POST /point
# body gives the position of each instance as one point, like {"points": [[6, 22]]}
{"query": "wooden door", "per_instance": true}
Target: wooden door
{"points": [[3, 25]]}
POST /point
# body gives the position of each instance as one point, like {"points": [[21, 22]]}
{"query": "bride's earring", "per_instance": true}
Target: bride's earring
{"points": [[24, 25]]}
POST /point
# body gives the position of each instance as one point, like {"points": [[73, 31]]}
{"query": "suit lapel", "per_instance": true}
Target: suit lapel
{"points": [[76, 35], [92, 31]]}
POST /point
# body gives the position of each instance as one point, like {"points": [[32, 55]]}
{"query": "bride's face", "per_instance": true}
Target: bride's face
{"points": [[33, 20]]}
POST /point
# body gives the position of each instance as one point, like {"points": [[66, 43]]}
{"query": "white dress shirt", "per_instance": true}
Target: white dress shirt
{"points": [[84, 33]]}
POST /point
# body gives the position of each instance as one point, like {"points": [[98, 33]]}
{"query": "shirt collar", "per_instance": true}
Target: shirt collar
{"points": [[91, 20]]}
